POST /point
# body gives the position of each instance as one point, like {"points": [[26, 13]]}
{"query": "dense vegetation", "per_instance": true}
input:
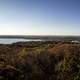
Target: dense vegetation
{"points": [[40, 61]]}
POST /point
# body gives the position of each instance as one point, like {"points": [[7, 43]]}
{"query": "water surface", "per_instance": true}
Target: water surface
{"points": [[14, 40]]}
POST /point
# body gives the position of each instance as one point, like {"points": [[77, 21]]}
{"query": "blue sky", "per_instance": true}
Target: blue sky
{"points": [[39, 17]]}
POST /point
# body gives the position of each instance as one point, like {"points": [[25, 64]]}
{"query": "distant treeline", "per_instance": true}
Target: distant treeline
{"points": [[42, 37]]}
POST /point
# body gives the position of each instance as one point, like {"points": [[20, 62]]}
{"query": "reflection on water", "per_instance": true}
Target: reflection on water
{"points": [[11, 40]]}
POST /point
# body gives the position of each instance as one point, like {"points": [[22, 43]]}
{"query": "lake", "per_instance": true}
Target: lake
{"points": [[14, 40]]}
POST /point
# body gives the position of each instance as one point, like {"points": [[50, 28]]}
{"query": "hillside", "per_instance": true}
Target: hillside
{"points": [[47, 60]]}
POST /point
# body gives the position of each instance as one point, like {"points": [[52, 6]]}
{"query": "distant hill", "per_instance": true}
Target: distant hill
{"points": [[42, 37]]}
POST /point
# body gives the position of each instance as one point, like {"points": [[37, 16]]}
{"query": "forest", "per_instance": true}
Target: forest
{"points": [[47, 60]]}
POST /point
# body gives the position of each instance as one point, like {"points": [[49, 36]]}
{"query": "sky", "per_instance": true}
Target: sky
{"points": [[39, 17]]}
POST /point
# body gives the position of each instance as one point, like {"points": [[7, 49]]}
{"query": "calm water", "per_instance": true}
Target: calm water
{"points": [[11, 40]]}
